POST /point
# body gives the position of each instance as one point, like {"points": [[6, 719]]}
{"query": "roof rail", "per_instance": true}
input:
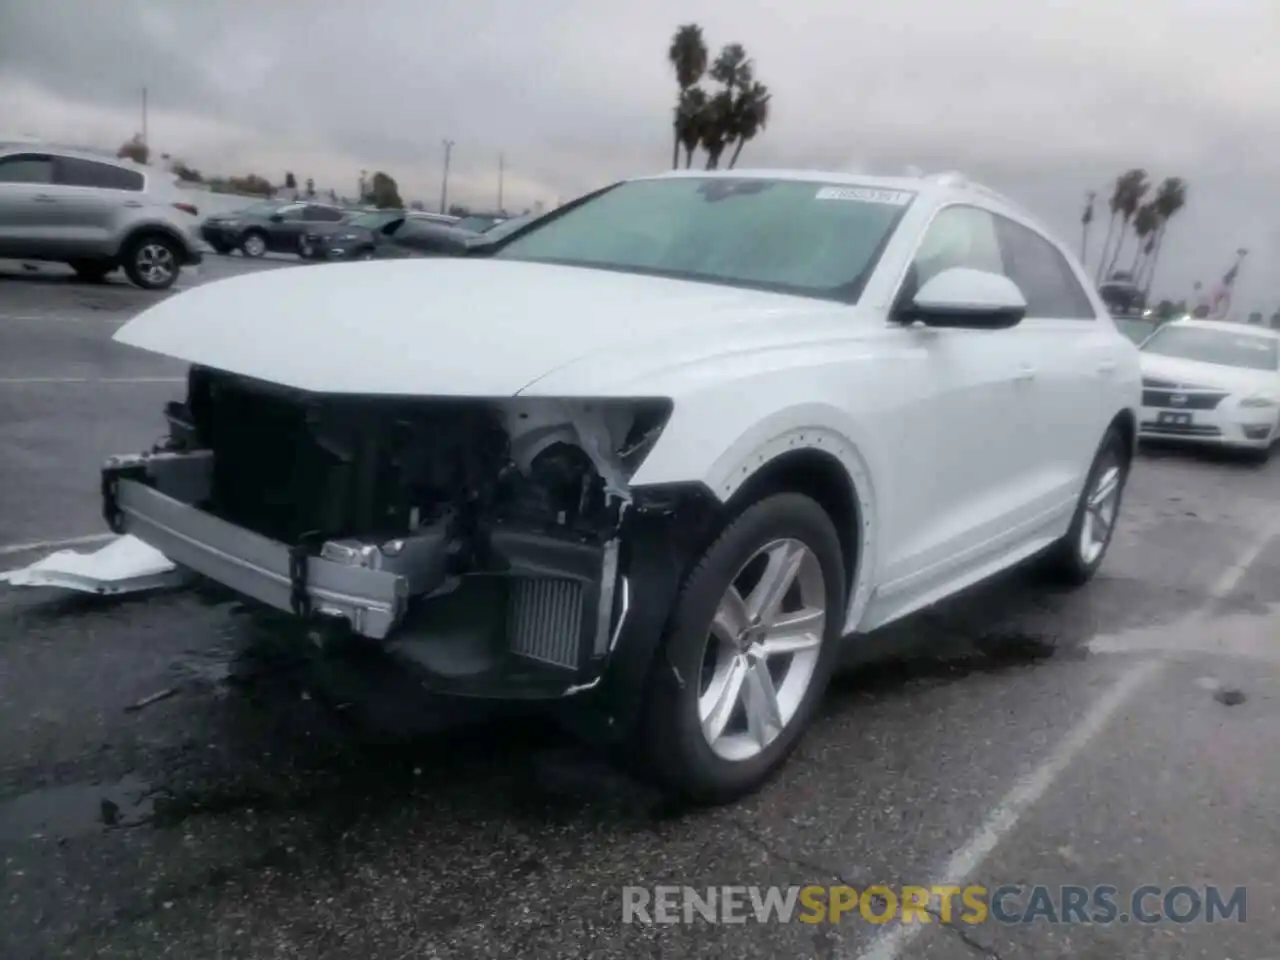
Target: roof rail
{"points": [[953, 178]]}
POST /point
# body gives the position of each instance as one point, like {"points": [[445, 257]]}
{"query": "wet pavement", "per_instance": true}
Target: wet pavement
{"points": [[270, 801]]}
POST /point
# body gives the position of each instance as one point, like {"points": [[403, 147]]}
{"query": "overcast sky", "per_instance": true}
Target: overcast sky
{"points": [[1044, 99]]}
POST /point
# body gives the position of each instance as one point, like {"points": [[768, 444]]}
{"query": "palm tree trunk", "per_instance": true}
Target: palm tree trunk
{"points": [[1115, 254], [1151, 264], [1106, 245], [675, 148], [688, 157], [1084, 245], [1137, 256], [737, 149]]}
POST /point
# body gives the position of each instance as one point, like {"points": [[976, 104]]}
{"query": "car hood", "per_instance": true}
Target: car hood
{"points": [[1193, 373], [448, 326]]}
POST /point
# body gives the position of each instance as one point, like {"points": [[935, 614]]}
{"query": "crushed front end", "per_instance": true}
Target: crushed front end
{"points": [[485, 539]]}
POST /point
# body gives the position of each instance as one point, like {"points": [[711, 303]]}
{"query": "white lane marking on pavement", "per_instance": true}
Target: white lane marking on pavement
{"points": [[57, 318], [12, 548], [893, 942], [20, 381]]}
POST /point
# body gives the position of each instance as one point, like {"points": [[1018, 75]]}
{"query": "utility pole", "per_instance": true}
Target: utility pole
{"points": [[502, 165], [444, 181], [144, 116]]}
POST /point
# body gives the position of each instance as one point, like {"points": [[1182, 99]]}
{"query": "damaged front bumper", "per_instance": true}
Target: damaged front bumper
{"points": [[539, 618]]}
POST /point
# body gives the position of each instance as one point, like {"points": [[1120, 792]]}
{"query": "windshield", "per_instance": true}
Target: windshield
{"points": [[373, 221], [789, 236], [1136, 329], [1224, 347], [477, 224], [263, 208]]}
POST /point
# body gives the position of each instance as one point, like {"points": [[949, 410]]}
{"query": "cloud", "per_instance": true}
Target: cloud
{"points": [[1046, 100]]}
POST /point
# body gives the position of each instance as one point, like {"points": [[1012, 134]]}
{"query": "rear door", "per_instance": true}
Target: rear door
{"points": [[286, 227], [1076, 356], [27, 205], [95, 202]]}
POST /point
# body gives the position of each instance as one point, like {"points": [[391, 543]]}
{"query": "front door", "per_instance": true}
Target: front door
{"points": [[960, 456]]}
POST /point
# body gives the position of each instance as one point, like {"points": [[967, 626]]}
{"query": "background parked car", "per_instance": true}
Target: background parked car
{"points": [[356, 238], [1136, 328], [419, 237], [95, 213], [268, 226], [480, 222]]}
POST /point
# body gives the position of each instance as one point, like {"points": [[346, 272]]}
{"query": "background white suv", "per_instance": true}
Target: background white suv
{"points": [[95, 213]]}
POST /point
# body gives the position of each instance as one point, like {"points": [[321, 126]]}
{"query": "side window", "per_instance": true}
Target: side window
{"points": [[959, 236], [1043, 275], [75, 172], [329, 214], [293, 213], [26, 168]]}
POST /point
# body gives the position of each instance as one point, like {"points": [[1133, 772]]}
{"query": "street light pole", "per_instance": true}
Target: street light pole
{"points": [[444, 181], [502, 164]]}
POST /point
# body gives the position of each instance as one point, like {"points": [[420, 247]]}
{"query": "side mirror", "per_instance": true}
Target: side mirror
{"points": [[961, 297], [276, 218]]}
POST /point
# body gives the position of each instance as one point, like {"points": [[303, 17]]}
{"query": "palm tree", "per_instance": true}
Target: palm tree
{"points": [[1170, 198], [716, 127], [1131, 187], [750, 116], [688, 55], [1114, 204], [1086, 219], [1145, 223], [691, 116]]}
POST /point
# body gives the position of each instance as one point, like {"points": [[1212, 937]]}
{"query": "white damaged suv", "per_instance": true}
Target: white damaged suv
{"points": [[654, 457]]}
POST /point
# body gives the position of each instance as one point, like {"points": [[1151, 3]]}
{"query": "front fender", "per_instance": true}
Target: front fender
{"points": [[722, 436]]}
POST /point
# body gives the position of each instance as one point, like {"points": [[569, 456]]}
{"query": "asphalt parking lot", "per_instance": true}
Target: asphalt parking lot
{"points": [[277, 804]]}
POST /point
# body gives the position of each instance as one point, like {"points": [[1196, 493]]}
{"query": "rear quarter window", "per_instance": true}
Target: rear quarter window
{"points": [[77, 172]]}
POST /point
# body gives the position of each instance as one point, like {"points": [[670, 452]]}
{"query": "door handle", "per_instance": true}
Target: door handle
{"points": [[1106, 368], [1025, 372], [132, 203], [44, 198]]}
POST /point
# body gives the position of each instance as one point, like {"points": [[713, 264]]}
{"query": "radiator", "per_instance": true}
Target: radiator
{"points": [[544, 620]]}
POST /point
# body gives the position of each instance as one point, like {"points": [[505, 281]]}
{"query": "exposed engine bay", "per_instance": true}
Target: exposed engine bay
{"points": [[497, 520]]}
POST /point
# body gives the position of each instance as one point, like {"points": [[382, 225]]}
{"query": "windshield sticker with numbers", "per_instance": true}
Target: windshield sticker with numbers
{"points": [[894, 198]]}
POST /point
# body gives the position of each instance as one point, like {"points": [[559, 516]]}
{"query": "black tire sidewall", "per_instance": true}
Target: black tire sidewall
{"points": [[677, 752]]}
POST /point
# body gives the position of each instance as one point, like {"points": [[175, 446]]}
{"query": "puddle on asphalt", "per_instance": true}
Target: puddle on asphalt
{"points": [[1249, 635], [75, 810]]}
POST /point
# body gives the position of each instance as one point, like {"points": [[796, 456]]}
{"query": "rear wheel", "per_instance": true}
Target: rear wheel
{"points": [[152, 262], [93, 271], [1075, 558], [750, 649]]}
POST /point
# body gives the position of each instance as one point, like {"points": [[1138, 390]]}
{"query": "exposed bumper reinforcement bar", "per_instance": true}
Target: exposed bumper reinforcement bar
{"points": [[372, 601]]}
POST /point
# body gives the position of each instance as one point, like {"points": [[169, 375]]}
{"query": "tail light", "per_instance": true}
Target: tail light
{"points": [[187, 208]]}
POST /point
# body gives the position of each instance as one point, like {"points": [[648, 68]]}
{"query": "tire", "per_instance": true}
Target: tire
{"points": [[152, 261], [253, 244], [1071, 562], [365, 254], [1259, 456], [220, 248], [91, 271], [691, 664]]}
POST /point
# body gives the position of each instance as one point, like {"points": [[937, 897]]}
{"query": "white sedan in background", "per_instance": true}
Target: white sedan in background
{"points": [[655, 457], [1213, 382]]}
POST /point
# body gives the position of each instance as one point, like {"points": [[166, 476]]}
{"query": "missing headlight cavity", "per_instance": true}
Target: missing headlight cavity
{"points": [[290, 464]]}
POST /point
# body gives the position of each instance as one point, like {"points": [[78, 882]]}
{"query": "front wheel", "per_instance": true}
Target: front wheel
{"points": [[254, 244], [1075, 558], [748, 654], [152, 262]]}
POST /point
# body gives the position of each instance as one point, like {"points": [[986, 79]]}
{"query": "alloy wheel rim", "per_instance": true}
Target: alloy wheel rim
{"points": [[762, 650], [254, 246], [156, 263], [1100, 510]]}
